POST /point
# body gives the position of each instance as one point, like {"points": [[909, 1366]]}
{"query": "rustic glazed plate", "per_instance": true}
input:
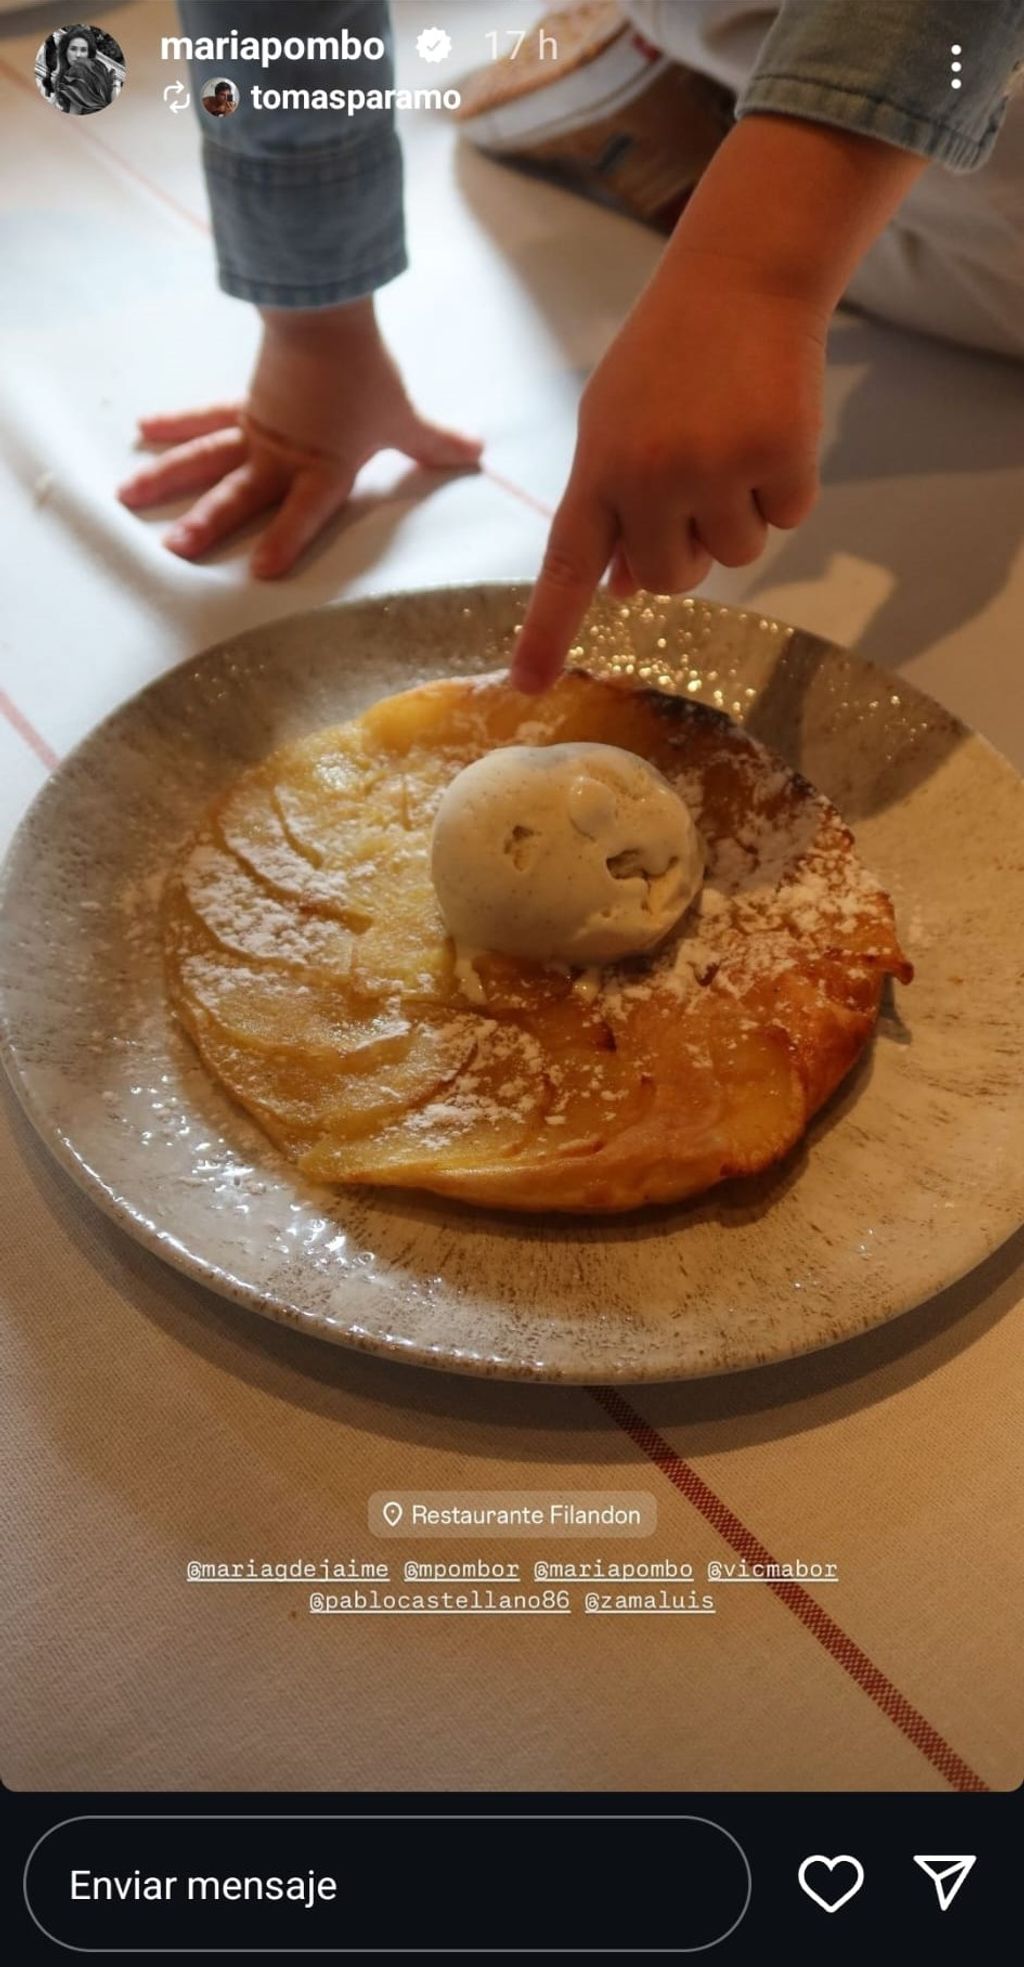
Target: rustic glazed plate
{"points": [[909, 1178]]}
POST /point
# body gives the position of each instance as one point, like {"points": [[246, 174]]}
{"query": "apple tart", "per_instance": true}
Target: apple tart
{"points": [[308, 960]]}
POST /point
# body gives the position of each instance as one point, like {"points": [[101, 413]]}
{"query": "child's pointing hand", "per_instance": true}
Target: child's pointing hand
{"points": [[700, 427], [697, 431]]}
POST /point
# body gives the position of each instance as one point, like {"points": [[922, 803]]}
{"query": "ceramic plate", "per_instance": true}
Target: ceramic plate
{"points": [[910, 1176]]}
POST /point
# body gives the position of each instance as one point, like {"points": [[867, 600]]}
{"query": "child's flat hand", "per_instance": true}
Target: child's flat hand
{"points": [[697, 430], [325, 397]]}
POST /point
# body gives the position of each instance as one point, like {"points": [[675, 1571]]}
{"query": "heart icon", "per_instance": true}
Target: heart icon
{"points": [[832, 1903], [392, 1513]]}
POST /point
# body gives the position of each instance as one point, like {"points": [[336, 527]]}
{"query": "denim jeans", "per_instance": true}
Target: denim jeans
{"points": [[307, 204], [881, 67]]}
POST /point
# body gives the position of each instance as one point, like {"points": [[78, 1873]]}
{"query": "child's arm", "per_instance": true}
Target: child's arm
{"points": [[701, 424], [307, 223]]}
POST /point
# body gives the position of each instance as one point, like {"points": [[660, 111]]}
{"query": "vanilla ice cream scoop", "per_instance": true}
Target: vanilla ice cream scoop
{"points": [[563, 853]]}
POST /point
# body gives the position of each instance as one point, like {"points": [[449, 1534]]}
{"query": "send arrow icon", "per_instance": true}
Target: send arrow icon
{"points": [[947, 1876]]}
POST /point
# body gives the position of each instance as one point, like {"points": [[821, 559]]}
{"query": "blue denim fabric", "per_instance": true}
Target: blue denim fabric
{"points": [[306, 204], [884, 67]]}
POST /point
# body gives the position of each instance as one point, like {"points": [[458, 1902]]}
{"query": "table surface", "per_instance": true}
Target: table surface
{"points": [[150, 1423]]}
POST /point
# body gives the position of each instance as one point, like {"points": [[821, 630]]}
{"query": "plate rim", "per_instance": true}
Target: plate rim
{"points": [[274, 1307]]}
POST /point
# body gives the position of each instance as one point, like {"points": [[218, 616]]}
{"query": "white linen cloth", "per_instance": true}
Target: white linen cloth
{"points": [[148, 1422]]}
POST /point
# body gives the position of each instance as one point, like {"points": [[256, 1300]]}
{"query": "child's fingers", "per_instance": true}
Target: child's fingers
{"points": [[622, 581], [314, 496], [786, 499], [183, 424], [578, 550], [238, 497], [732, 530], [663, 550], [188, 468], [439, 449]]}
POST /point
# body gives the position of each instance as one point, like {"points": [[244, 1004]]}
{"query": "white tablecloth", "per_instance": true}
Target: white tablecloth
{"points": [[149, 1423]]}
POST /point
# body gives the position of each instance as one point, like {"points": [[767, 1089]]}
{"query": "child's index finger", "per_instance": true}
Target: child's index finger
{"points": [[578, 550]]}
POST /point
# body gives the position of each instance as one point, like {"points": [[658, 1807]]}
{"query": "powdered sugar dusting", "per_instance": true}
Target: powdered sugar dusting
{"points": [[785, 885], [279, 979]]}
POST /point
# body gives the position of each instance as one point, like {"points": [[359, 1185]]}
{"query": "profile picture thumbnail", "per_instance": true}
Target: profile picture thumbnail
{"points": [[220, 97], [80, 69]]}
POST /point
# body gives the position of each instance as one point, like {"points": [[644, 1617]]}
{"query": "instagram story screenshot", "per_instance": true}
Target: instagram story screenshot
{"points": [[512, 977]]}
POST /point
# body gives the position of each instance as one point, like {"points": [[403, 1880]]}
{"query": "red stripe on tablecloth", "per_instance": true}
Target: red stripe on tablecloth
{"points": [[854, 1661], [518, 492], [19, 722]]}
